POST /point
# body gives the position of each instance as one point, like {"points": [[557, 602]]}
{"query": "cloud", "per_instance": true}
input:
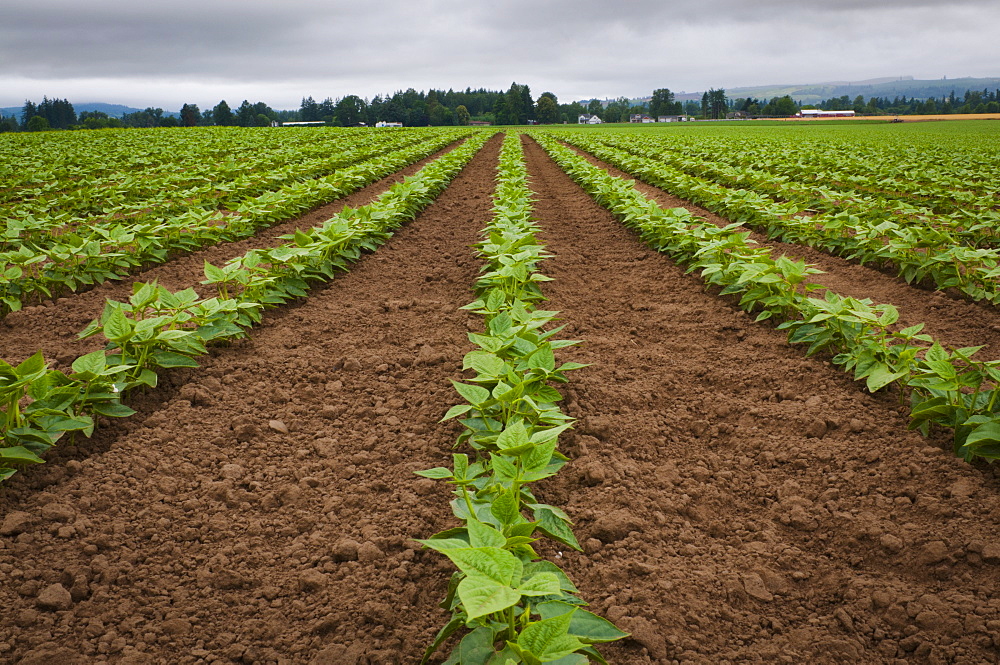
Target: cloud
{"points": [[186, 50]]}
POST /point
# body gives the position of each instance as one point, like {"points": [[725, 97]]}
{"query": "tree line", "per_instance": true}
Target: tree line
{"points": [[515, 106]]}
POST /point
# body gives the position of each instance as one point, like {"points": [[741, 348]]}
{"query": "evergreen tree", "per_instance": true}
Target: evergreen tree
{"points": [[190, 115], [222, 115]]}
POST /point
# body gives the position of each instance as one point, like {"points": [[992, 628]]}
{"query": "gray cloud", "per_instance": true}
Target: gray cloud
{"points": [[170, 53]]}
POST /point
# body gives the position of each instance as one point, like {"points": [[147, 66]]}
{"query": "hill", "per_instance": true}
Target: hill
{"points": [[811, 93], [113, 110]]}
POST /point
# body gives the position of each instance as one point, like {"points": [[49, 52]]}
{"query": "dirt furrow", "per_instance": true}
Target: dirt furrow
{"points": [[53, 326], [951, 319], [262, 510], [737, 502]]}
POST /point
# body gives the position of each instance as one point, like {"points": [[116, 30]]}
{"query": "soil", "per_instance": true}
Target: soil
{"points": [[737, 502], [947, 315]]}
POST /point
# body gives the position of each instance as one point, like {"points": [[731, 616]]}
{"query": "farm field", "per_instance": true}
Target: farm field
{"points": [[735, 501]]}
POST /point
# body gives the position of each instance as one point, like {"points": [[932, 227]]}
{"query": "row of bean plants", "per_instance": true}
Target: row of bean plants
{"points": [[70, 261], [947, 387], [941, 219], [518, 609], [157, 330], [914, 251], [909, 165], [172, 168]]}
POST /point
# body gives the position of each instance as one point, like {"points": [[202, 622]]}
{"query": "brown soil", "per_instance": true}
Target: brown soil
{"points": [[737, 502], [53, 326], [948, 317]]}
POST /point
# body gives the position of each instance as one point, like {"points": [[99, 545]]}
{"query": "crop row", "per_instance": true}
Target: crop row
{"points": [[974, 225], [72, 261], [949, 388], [885, 162], [134, 198], [913, 251], [157, 330], [114, 173], [512, 423]]}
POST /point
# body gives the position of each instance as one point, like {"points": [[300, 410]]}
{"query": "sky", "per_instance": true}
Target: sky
{"points": [[166, 54]]}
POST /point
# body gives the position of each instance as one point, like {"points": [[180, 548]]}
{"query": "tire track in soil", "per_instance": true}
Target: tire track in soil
{"points": [[197, 532], [951, 319], [736, 501], [53, 326]]}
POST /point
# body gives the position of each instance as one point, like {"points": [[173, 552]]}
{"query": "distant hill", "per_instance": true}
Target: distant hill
{"points": [[113, 110], [881, 87]]}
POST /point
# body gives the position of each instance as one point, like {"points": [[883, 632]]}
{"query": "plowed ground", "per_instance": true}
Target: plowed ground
{"points": [[737, 503]]}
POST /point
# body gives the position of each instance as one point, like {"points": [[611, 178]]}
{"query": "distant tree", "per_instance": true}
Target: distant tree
{"points": [[547, 111], [514, 112], [28, 111], [663, 103], [222, 115], [714, 103], [149, 117], [309, 109], [462, 115], [781, 107], [38, 124], [8, 124], [245, 114], [350, 111], [441, 116], [169, 121], [527, 106], [190, 115], [327, 110], [595, 107], [551, 96]]}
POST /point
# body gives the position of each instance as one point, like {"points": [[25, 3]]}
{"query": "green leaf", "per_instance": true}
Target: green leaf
{"points": [[937, 353], [484, 363], [437, 473], [33, 365], [881, 377], [482, 595], [549, 639], [555, 527], [19, 455], [505, 507], [513, 436], [214, 274], [541, 584], [92, 363], [117, 327], [543, 359], [457, 410], [483, 535], [588, 627], [112, 410], [473, 394], [490, 562], [170, 359]]}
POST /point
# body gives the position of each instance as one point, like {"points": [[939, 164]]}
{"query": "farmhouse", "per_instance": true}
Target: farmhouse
{"points": [[383, 123], [640, 118], [816, 113], [588, 119]]}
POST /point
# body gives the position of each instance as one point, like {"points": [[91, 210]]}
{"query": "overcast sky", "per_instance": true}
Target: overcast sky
{"points": [[170, 52]]}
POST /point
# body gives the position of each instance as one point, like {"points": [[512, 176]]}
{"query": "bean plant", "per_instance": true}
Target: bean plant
{"points": [[515, 607]]}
